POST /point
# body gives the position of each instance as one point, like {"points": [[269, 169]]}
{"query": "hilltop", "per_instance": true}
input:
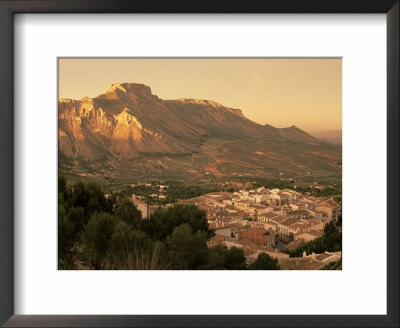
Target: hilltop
{"points": [[130, 133]]}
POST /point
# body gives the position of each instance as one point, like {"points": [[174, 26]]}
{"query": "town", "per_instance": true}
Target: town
{"points": [[272, 221]]}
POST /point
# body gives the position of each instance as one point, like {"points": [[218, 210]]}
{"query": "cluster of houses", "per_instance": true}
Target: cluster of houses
{"points": [[265, 220], [262, 219]]}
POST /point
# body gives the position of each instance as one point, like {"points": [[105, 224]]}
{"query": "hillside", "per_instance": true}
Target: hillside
{"points": [[333, 137], [128, 133]]}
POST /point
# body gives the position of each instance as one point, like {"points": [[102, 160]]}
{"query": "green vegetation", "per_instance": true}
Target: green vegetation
{"points": [[331, 241], [96, 237], [314, 185], [265, 262], [187, 249], [175, 190], [172, 193], [163, 221], [128, 212], [222, 258], [109, 233]]}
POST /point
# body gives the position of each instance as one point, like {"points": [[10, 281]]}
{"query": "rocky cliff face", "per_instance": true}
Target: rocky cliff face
{"points": [[127, 129]]}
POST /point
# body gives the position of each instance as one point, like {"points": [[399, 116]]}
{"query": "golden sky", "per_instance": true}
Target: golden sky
{"points": [[281, 92]]}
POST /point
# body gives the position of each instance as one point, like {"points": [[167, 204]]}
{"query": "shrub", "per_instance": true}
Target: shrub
{"points": [[96, 237]]}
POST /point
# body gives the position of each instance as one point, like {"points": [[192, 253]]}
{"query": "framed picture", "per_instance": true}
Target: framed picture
{"points": [[209, 164], [189, 183]]}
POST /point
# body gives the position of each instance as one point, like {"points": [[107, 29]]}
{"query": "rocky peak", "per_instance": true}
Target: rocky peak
{"points": [[208, 104], [135, 88], [127, 119], [204, 102], [65, 101]]}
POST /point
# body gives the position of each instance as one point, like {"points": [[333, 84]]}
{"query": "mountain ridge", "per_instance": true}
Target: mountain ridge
{"points": [[330, 136], [128, 123]]}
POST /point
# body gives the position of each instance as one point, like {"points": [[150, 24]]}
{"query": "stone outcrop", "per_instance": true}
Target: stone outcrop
{"points": [[128, 122]]}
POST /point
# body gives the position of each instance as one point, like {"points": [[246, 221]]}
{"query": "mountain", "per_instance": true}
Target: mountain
{"points": [[333, 137], [128, 133]]}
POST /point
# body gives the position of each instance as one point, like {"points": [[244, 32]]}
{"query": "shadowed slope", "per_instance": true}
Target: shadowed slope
{"points": [[128, 131]]}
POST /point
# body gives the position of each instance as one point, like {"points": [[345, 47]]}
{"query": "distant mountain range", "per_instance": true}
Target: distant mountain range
{"points": [[334, 136], [128, 133]]}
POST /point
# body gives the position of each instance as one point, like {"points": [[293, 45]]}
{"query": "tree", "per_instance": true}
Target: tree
{"points": [[221, 257], [62, 184], [97, 235], [64, 193], [131, 249], [163, 222], [264, 262], [77, 216], [235, 259], [187, 250], [128, 212], [215, 258], [331, 241], [90, 197], [329, 228], [65, 241], [125, 239]]}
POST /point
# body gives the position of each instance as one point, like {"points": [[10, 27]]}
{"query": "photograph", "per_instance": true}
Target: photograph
{"points": [[199, 163]]}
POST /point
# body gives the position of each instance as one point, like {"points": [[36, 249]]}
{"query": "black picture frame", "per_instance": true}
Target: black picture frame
{"points": [[7, 10]]}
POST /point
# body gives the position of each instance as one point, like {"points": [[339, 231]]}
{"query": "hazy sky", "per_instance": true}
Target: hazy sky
{"points": [[281, 92]]}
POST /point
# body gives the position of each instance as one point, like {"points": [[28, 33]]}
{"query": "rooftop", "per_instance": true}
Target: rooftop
{"points": [[270, 215], [329, 203], [289, 222]]}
